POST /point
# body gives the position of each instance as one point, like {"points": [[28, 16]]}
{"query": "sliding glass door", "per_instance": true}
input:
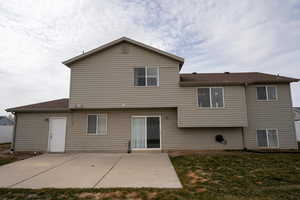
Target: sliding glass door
{"points": [[145, 132]]}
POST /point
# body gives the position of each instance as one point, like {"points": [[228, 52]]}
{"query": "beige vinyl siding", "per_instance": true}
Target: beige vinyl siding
{"points": [[234, 113], [119, 131], [33, 129], [106, 80], [175, 138], [271, 114]]}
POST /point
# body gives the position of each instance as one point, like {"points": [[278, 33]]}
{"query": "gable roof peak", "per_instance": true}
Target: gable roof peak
{"points": [[117, 41]]}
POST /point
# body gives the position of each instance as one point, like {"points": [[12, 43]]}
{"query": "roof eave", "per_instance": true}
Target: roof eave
{"points": [[195, 83], [123, 39], [38, 110], [274, 81]]}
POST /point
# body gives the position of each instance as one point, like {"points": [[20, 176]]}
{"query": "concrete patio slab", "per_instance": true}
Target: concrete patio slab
{"points": [[142, 170], [83, 172], [19, 171], [90, 170]]}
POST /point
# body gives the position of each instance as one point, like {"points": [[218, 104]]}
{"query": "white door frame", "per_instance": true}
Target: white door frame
{"points": [[145, 117], [49, 135]]}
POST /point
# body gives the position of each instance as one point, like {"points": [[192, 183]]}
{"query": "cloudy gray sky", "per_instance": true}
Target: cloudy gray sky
{"points": [[212, 36]]}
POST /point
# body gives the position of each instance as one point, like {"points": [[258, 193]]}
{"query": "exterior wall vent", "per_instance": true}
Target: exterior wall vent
{"points": [[78, 105], [124, 49]]}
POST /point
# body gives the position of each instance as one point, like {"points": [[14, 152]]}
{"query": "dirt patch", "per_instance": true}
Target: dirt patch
{"points": [[200, 190], [195, 178], [4, 147], [133, 195], [17, 156], [6, 156], [152, 195], [98, 195]]}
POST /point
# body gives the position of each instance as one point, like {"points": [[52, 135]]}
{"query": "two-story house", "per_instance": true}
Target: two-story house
{"points": [[126, 94]]}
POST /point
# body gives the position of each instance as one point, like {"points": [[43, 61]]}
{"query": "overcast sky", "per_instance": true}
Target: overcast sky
{"points": [[212, 36]]}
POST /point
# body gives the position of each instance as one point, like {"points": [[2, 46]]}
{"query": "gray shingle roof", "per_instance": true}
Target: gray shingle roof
{"points": [[55, 105], [232, 79]]}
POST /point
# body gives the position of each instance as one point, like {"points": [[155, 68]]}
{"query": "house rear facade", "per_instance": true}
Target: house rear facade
{"points": [[128, 95]]}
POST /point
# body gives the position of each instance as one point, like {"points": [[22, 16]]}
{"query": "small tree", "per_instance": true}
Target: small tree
{"points": [[11, 117]]}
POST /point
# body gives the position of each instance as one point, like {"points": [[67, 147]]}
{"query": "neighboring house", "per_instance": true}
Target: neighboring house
{"points": [[126, 92], [6, 129], [5, 121], [297, 121]]}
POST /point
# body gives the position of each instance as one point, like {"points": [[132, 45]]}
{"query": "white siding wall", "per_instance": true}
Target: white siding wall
{"points": [[6, 133], [297, 125]]}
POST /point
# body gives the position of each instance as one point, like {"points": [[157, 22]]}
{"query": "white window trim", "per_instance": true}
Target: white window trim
{"points": [[267, 134], [97, 133], [145, 116], [210, 99], [267, 95], [146, 76]]}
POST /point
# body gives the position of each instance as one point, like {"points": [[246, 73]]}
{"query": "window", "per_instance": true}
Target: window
{"points": [[267, 138], [139, 77], [97, 124], [146, 76], [211, 97], [267, 93]]}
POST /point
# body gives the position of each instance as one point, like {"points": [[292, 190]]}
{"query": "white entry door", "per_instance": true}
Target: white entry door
{"points": [[57, 134]]}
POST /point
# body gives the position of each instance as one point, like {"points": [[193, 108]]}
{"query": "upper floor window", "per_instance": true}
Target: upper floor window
{"points": [[266, 93], [212, 97], [267, 138], [146, 76], [97, 124]]}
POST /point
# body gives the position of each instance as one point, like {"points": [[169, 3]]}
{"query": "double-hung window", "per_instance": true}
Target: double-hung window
{"points": [[267, 93], [97, 124], [146, 76], [267, 138], [211, 97]]}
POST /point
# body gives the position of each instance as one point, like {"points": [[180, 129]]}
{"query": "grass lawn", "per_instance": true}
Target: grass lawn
{"points": [[226, 176]]}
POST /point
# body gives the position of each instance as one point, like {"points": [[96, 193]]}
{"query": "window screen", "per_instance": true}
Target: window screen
{"points": [[217, 97], [261, 93], [92, 124], [203, 97], [262, 140], [271, 93], [272, 137], [152, 76], [102, 121], [153, 132], [139, 76]]}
